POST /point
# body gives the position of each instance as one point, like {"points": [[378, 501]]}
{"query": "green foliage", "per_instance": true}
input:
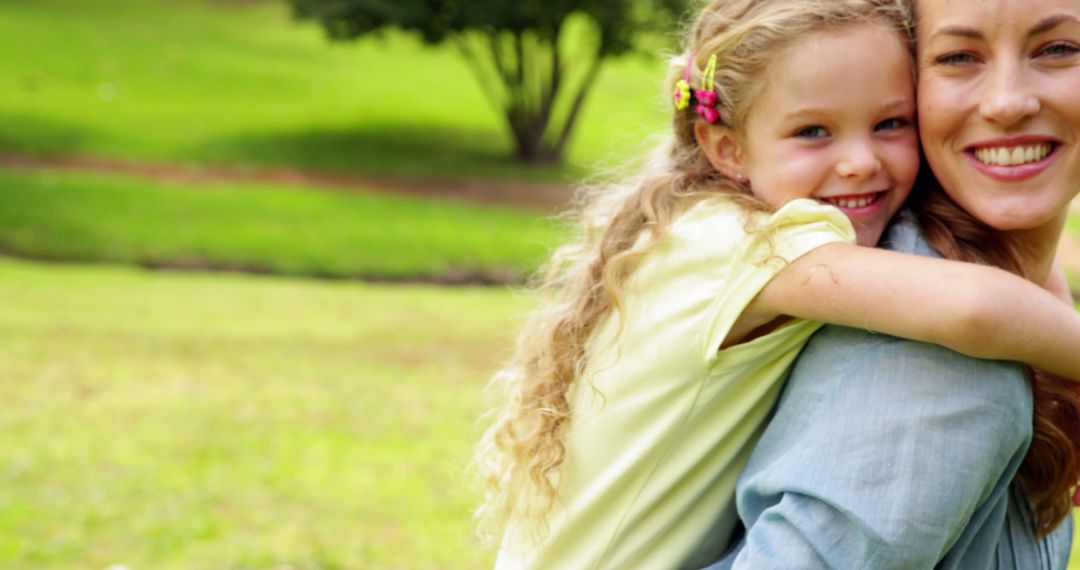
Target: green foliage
{"points": [[516, 49], [206, 81], [174, 421], [270, 229]]}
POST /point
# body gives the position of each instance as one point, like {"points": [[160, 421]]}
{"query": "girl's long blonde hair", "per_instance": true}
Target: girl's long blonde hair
{"points": [[520, 453]]}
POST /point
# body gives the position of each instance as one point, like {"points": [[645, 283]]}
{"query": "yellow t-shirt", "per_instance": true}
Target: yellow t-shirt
{"points": [[663, 421]]}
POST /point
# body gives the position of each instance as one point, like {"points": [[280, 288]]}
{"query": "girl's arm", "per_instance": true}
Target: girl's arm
{"points": [[980, 311]]}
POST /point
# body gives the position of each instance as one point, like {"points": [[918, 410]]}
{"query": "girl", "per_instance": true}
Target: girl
{"points": [[637, 393]]}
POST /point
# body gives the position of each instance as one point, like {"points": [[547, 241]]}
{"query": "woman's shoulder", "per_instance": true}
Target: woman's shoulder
{"points": [[874, 367], [904, 235]]}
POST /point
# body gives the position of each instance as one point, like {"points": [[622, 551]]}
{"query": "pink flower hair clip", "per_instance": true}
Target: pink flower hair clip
{"points": [[706, 97]]}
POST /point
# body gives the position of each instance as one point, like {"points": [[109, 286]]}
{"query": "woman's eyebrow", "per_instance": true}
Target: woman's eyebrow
{"points": [[1051, 22], [960, 31], [1045, 25]]}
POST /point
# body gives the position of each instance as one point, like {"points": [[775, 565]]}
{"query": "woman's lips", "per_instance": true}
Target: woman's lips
{"points": [[1013, 160]]}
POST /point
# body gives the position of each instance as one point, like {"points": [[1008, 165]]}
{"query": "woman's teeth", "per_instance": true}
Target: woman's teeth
{"points": [[1012, 156], [852, 201]]}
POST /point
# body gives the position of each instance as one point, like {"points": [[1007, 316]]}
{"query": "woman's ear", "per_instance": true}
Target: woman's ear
{"points": [[722, 148]]}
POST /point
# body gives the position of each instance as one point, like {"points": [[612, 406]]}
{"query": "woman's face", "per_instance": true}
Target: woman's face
{"points": [[999, 105]]}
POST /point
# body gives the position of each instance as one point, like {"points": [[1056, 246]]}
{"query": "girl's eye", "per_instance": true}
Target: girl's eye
{"points": [[955, 58], [814, 132], [891, 124], [1059, 49]]}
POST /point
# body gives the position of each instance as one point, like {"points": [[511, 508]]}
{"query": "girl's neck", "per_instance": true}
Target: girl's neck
{"points": [[1038, 246]]}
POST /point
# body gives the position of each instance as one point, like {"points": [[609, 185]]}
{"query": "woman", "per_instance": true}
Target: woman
{"points": [[925, 462]]}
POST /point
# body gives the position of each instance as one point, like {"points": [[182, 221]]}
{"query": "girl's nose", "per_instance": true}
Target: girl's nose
{"points": [[858, 161]]}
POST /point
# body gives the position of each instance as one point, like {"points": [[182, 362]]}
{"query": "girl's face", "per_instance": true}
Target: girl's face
{"points": [[835, 121], [999, 106]]}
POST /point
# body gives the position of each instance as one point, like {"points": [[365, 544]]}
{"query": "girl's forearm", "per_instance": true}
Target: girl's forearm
{"points": [[980, 311], [1013, 321]]}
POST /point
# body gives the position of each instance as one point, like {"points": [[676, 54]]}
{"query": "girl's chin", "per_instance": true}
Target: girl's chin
{"points": [[868, 237]]}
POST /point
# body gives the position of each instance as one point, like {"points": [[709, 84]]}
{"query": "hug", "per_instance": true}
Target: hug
{"points": [[788, 341]]}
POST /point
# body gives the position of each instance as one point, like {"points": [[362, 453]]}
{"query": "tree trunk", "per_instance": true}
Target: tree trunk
{"points": [[526, 87]]}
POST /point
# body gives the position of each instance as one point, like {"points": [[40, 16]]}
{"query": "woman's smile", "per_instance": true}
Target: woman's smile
{"points": [[1014, 158]]}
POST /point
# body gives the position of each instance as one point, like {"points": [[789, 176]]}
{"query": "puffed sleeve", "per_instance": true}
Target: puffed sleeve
{"points": [[884, 453], [773, 241]]}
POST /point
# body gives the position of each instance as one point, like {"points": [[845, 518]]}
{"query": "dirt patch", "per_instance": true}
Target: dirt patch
{"points": [[546, 197]]}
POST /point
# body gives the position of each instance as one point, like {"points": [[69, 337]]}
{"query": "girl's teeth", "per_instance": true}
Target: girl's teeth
{"points": [[1012, 156], [856, 202]]}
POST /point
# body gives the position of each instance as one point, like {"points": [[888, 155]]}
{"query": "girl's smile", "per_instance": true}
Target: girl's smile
{"points": [[856, 204]]}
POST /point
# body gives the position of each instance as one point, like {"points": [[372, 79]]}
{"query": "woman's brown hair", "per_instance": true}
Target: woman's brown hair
{"points": [[1048, 474]]}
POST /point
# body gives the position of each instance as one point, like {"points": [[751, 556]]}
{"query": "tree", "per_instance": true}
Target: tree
{"points": [[520, 51]]}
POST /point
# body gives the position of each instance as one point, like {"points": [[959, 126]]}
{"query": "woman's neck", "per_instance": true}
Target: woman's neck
{"points": [[1038, 246]]}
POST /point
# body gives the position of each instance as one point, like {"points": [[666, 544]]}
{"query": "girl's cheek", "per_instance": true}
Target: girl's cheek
{"points": [[804, 156], [904, 158], [906, 148]]}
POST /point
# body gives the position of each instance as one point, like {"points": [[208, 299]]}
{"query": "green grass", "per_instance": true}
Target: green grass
{"points": [[280, 230], [175, 421], [241, 82], [207, 421]]}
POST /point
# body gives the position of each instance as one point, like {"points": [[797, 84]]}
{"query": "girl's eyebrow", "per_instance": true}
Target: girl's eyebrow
{"points": [[898, 104], [1045, 25]]}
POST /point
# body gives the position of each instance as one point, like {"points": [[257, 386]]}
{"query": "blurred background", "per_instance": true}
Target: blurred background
{"points": [[259, 257]]}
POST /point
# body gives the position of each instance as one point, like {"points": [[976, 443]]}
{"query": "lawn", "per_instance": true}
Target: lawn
{"points": [[165, 420], [241, 82], [186, 420], [256, 227], [177, 421]]}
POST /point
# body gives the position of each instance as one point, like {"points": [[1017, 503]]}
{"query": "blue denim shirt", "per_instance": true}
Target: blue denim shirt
{"points": [[888, 453]]}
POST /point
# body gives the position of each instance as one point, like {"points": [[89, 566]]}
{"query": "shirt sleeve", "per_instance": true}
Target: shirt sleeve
{"points": [[772, 242], [881, 451]]}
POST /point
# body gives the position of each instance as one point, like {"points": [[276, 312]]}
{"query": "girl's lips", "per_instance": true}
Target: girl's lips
{"points": [[1013, 173], [857, 204]]}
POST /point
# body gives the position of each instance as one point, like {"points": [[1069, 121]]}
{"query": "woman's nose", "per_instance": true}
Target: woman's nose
{"points": [[1008, 98], [858, 161]]}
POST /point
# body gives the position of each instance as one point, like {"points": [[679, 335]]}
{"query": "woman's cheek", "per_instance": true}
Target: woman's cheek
{"points": [[938, 103]]}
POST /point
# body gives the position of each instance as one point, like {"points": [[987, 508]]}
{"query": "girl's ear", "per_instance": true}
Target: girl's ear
{"points": [[722, 148]]}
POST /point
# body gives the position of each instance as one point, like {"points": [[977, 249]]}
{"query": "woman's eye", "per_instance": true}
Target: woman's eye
{"points": [[814, 132], [1060, 49], [891, 124], [955, 58]]}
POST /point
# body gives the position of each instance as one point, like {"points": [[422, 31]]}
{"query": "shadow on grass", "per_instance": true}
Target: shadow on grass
{"points": [[36, 135], [391, 150], [451, 276], [385, 149]]}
